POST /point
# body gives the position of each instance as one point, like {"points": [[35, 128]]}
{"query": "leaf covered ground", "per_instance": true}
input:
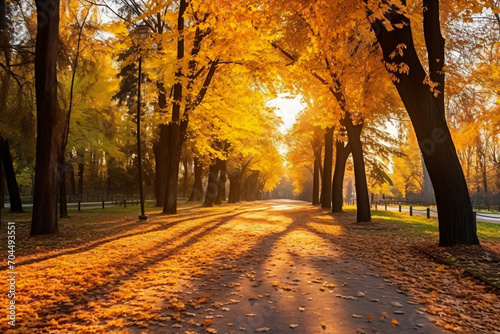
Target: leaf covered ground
{"points": [[274, 266]]}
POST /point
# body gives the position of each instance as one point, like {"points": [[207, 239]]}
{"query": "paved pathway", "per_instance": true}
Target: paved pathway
{"points": [[295, 281]]}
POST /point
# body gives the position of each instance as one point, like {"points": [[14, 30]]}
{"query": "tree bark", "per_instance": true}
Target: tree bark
{"points": [[175, 130], [342, 153], [197, 192], [326, 183], [455, 215], [49, 120], [213, 183], [234, 188], [317, 163], [363, 212], [221, 194]]}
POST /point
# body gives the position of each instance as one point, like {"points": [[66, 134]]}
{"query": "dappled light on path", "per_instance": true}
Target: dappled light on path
{"points": [[280, 266]]}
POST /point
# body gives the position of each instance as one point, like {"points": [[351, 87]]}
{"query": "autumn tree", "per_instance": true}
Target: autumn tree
{"points": [[425, 106]]}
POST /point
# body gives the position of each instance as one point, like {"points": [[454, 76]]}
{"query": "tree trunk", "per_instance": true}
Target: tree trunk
{"points": [[232, 185], [456, 222], [234, 188], [197, 192], [49, 125], [326, 184], [10, 176], [186, 177], [213, 183], [341, 155], [363, 212], [161, 153], [221, 194], [175, 129], [317, 163]]}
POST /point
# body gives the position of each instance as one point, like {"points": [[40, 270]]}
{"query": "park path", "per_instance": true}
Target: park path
{"points": [[294, 280], [275, 266]]}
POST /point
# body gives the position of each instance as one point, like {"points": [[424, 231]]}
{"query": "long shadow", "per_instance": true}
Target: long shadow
{"points": [[98, 243], [130, 271]]}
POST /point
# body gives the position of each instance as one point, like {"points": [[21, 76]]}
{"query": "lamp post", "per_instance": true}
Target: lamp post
{"points": [[140, 34]]}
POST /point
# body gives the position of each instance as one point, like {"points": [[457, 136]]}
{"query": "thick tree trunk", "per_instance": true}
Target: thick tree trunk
{"points": [[175, 147], [326, 183], [197, 192], [49, 122], [456, 222], [221, 194], [363, 212], [175, 138], [342, 153], [234, 188], [10, 177], [213, 183], [317, 163]]}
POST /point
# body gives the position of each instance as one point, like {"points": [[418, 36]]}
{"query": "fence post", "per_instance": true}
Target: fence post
{"points": [[411, 210], [376, 202], [79, 203], [385, 206], [124, 203], [399, 207], [428, 213], [103, 204]]}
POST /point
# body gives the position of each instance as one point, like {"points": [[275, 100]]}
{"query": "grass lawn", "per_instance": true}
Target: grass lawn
{"points": [[418, 225]]}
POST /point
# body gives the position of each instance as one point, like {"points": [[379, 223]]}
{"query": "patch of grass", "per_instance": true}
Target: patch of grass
{"points": [[422, 226]]}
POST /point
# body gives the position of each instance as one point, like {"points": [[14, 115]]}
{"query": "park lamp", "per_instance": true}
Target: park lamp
{"points": [[139, 35]]}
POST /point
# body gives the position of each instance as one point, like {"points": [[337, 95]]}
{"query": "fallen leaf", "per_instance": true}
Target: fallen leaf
{"points": [[263, 329], [395, 322], [294, 325], [370, 318], [396, 304]]}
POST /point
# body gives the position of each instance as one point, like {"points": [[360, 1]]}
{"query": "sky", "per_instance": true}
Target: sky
{"points": [[287, 107]]}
